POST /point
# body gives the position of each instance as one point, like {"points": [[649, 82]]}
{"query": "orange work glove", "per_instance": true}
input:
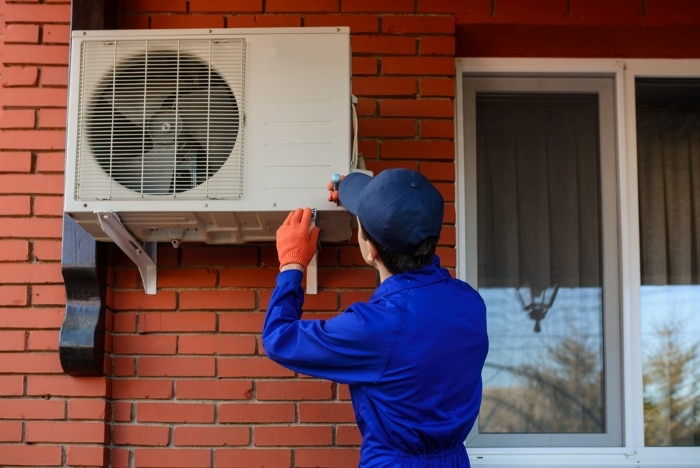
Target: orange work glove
{"points": [[297, 242], [332, 187]]}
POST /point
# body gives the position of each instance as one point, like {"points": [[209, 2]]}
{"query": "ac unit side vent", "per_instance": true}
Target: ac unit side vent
{"points": [[164, 122]]}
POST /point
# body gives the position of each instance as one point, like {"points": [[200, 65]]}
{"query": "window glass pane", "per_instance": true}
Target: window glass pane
{"points": [[668, 160], [539, 263]]}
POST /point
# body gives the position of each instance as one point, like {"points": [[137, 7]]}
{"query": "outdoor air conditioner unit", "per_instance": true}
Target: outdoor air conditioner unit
{"points": [[206, 135]]}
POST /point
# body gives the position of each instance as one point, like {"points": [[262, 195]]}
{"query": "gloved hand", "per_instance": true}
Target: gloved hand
{"points": [[297, 242], [333, 185]]}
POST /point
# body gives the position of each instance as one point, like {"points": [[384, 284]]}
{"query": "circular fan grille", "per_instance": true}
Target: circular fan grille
{"points": [[162, 123]]}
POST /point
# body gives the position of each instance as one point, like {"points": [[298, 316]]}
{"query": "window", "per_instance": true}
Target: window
{"points": [[579, 223]]}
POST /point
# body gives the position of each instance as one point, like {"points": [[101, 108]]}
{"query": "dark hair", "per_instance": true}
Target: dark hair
{"points": [[396, 262]]}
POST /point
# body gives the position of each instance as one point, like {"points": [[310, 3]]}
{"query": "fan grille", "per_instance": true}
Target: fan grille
{"points": [[165, 121]]}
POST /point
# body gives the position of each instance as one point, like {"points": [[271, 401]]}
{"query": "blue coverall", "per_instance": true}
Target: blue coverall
{"points": [[412, 356]]}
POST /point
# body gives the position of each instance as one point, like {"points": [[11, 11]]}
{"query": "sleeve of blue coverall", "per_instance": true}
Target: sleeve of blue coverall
{"points": [[345, 349]]}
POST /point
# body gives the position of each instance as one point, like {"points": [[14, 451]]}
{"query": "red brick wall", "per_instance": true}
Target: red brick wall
{"points": [[187, 383]]}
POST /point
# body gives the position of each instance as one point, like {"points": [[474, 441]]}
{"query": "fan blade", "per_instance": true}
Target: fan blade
{"points": [[211, 117], [156, 171], [139, 103]]}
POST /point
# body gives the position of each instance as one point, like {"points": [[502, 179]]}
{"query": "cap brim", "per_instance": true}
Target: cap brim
{"points": [[350, 189]]}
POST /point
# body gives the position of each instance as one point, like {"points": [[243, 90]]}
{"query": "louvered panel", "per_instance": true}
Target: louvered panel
{"points": [[162, 119]]}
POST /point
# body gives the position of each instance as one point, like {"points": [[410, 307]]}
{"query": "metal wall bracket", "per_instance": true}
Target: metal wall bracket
{"points": [[143, 255]]}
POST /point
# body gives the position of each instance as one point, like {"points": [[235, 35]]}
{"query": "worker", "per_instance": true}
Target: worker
{"points": [[412, 355]]}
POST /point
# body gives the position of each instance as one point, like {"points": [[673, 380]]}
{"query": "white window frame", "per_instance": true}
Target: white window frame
{"points": [[632, 452]]}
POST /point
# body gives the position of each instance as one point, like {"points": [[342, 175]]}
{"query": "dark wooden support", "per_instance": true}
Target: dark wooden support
{"points": [[83, 259]]}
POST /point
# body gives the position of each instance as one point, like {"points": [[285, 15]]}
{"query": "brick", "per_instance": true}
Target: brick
{"points": [[15, 161], [21, 33], [11, 385], [54, 76], [56, 34], [175, 412], [30, 363], [52, 118], [384, 45], [11, 431], [307, 6], [358, 24], [296, 435], [176, 366], [479, 9], [150, 322], [437, 87], [138, 300], [31, 408], [60, 431], [144, 344], [247, 457], [87, 409], [23, 118], [418, 24], [32, 455], [243, 367], [30, 273], [36, 97], [242, 322], [207, 255], [42, 13], [42, 340], [364, 66], [140, 435], [124, 322], [326, 413], [34, 139], [123, 367], [258, 413], [35, 319], [12, 340], [678, 12], [387, 128], [31, 227], [43, 295], [186, 21], [199, 389], [226, 6], [430, 129], [64, 385], [326, 457], [220, 344], [384, 86], [348, 435], [294, 390], [544, 12], [121, 410], [157, 6], [142, 389], [50, 162], [48, 206], [437, 46], [602, 12], [217, 299], [167, 457], [15, 205], [435, 108], [438, 171], [263, 21], [85, 455], [364, 278], [36, 54], [211, 436], [19, 76], [372, 6], [426, 66], [418, 149], [186, 277], [247, 278]]}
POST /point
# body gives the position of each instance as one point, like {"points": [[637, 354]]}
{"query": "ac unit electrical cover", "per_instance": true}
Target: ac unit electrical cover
{"points": [[207, 135]]}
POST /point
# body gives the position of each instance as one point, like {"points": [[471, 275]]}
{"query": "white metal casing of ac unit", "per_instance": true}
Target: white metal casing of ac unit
{"points": [[292, 95]]}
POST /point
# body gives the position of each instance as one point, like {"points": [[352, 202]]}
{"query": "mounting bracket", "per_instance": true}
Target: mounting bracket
{"points": [[143, 255]]}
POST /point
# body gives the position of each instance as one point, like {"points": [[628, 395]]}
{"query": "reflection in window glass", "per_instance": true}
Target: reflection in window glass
{"points": [[540, 272], [668, 160]]}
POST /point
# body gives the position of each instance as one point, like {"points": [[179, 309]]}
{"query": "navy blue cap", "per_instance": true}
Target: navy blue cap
{"points": [[399, 208]]}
